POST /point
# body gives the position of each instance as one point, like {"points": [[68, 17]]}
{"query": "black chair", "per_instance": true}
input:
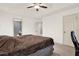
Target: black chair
{"points": [[75, 42]]}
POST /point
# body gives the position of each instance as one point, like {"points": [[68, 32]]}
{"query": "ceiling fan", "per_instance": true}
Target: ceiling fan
{"points": [[37, 6]]}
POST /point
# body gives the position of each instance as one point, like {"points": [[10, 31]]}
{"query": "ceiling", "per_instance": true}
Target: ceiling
{"points": [[20, 8]]}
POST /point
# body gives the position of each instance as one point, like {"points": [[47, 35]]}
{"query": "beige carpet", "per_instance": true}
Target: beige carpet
{"points": [[63, 50]]}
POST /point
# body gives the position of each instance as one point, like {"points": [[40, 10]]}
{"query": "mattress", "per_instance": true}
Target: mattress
{"points": [[23, 45]]}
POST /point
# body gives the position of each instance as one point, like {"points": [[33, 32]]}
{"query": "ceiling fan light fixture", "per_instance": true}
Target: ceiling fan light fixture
{"points": [[36, 7]]}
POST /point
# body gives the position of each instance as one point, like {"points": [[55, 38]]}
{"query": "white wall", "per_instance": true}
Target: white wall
{"points": [[53, 24], [28, 25], [6, 24]]}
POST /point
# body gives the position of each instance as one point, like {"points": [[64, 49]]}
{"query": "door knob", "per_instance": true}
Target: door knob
{"points": [[64, 32]]}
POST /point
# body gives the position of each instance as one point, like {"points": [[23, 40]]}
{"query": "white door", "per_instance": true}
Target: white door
{"points": [[69, 24], [77, 27]]}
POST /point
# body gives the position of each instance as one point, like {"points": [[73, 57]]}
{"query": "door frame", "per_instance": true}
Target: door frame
{"points": [[16, 19]]}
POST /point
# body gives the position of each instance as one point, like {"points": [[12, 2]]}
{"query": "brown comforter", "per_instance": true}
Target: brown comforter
{"points": [[23, 45]]}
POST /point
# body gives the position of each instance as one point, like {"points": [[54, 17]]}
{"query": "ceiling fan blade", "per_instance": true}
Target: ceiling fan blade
{"points": [[43, 6], [30, 6]]}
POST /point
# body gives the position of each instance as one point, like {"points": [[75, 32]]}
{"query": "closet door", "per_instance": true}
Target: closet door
{"points": [[69, 24], [77, 27]]}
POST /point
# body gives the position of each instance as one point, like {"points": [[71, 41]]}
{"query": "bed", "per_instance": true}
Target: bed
{"points": [[26, 45]]}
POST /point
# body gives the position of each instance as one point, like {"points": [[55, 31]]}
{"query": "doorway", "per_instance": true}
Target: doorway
{"points": [[38, 27]]}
